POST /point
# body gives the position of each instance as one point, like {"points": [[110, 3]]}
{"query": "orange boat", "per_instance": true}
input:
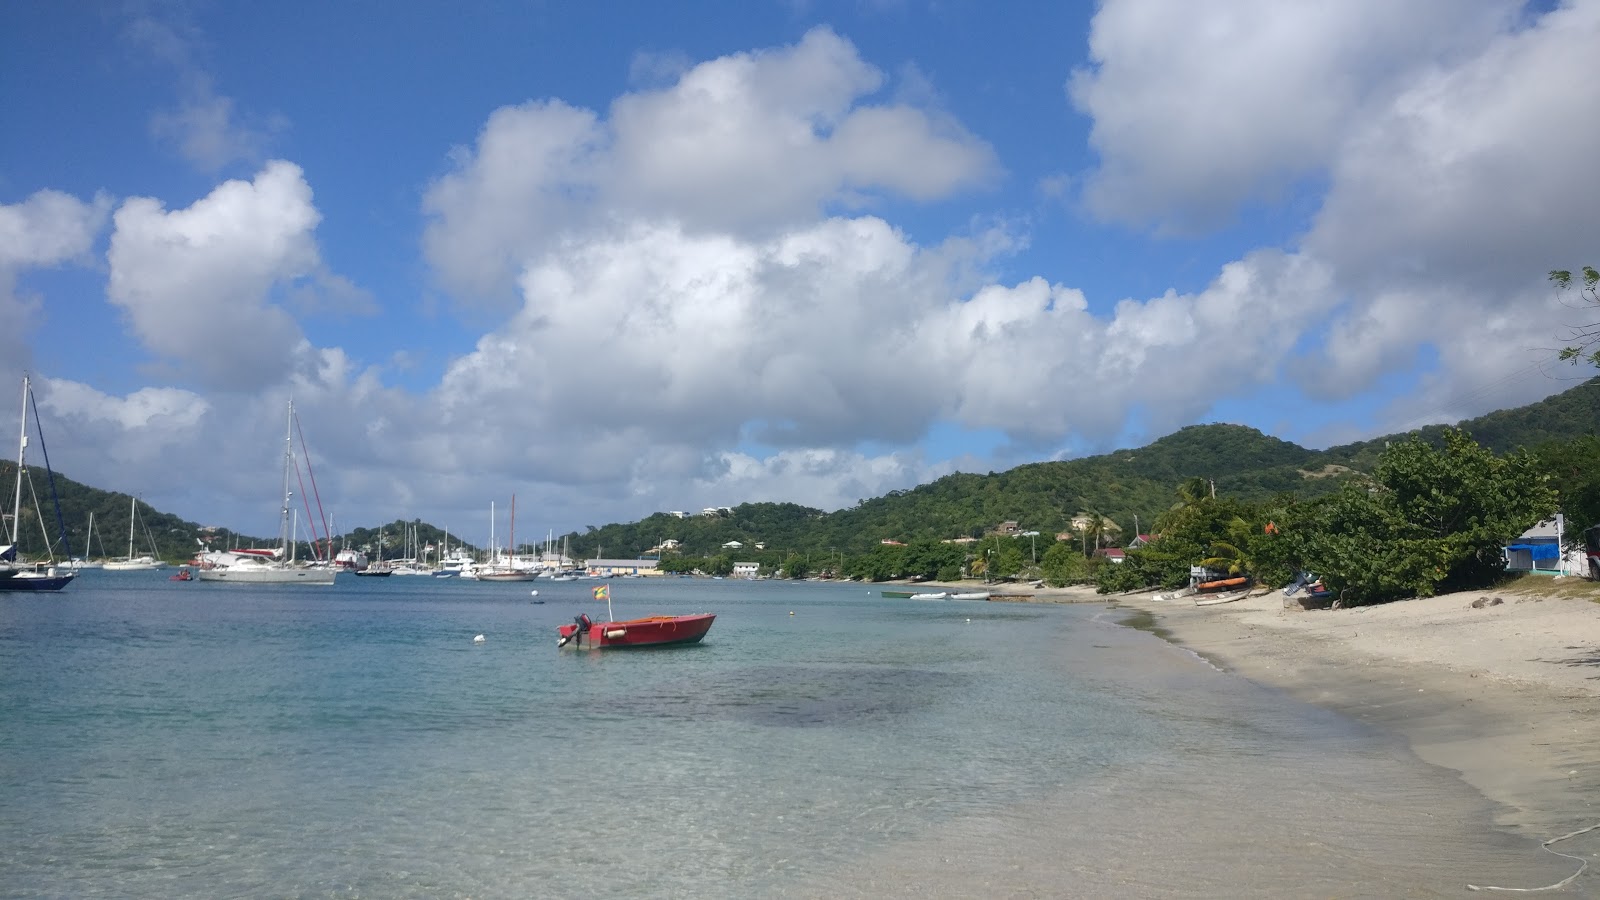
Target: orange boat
{"points": [[1223, 584], [650, 631]]}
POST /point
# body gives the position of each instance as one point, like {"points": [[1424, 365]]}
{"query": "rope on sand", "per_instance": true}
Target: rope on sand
{"points": [[1583, 864]]}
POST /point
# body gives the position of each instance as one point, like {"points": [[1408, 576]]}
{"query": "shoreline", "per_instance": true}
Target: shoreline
{"points": [[1506, 695]]}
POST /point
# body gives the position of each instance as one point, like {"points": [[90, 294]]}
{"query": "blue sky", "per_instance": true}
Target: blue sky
{"points": [[620, 258]]}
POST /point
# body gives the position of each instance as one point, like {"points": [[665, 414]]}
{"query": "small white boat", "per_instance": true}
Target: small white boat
{"points": [[941, 595], [969, 595]]}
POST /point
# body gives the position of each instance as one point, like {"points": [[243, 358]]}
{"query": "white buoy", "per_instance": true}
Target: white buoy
{"points": [[534, 593], [478, 639], [791, 612]]}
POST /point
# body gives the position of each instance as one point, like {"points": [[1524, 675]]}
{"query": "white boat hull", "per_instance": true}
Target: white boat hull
{"points": [[268, 575]]}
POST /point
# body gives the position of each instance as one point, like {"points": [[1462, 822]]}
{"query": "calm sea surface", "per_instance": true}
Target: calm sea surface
{"points": [[162, 739]]}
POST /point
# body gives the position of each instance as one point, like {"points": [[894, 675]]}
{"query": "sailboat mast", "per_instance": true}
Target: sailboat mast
{"points": [[288, 459], [22, 448], [133, 505]]}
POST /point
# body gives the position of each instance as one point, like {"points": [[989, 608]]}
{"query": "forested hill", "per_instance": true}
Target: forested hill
{"points": [[1130, 487], [1571, 414]]}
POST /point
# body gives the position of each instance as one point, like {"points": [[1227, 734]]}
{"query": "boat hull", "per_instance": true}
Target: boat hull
{"points": [[651, 631], [506, 576], [268, 575], [32, 582]]}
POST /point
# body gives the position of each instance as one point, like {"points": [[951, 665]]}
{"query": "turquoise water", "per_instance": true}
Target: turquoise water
{"points": [[163, 739]]}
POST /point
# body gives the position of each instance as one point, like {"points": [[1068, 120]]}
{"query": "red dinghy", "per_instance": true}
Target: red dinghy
{"points": [[650, 631]]}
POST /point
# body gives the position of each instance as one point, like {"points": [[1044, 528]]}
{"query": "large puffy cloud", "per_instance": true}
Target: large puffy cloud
{"points": [[198, 284], [645, 358], [1458, 197], [48, 229], [748, 143], [1199, 107]]}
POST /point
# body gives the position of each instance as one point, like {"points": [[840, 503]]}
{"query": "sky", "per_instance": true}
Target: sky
{"points": [[612, 259]]}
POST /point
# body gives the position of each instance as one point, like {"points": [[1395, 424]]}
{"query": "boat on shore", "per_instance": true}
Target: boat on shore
{"points": [[969, 595], [650, 631], [932, 595]]}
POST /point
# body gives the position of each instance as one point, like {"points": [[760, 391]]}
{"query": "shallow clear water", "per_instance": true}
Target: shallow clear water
{"points": [[196, 740]]}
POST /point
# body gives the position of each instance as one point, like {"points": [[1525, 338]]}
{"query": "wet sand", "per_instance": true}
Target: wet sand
{"points": [[1501, 702], [1506, 695]]}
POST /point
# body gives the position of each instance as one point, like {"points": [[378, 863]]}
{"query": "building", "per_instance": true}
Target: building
{"points": [[1538, 549], [746, 569], [733, 545], [606, 568]]}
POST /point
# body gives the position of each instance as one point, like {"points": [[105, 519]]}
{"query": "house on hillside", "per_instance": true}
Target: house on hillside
{"points": [[1538, 549], [746, 569], [1140, 540], [733, 545], [1115, 554]]}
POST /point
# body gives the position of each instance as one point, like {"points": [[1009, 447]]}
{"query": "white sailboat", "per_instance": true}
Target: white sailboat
{"points": [[131, 563], [84, 562], [507, 570], [267, 567]]}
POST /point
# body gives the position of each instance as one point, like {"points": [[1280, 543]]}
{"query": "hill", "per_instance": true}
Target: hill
{"points": [[1130, 487]]}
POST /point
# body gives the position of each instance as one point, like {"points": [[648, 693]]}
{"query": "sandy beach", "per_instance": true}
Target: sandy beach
{"points": [[1506, 694]]}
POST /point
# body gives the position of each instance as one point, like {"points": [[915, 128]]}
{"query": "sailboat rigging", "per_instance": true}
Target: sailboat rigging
{"points": [[15, 575]]}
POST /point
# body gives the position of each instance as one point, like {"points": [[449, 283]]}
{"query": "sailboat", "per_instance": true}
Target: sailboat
{"points": [[79, 563], [509, 570], [131, 563], [267, 566], [379, 569], [15, 576]]}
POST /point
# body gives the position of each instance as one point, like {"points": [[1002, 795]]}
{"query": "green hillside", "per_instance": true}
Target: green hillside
{"points": [[1129, 487]]}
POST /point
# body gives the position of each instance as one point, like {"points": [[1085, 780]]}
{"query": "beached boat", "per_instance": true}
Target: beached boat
{"points": [[969, 595], [898, 594], [932, 595], [650, 631], [267, 566], [1223, 584], [17, 576]]}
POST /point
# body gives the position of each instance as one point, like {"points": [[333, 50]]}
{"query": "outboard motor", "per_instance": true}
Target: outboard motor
{"points": [[580, 629]]}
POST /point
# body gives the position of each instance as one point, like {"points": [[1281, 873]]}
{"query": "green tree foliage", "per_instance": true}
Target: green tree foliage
{"points": [[1435, 519], [1062, 565], [1574, 471], [884, 562], [1586, 336], [796, 565]]}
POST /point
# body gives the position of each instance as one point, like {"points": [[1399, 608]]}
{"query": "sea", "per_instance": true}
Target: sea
{"points": [[189, 739]]}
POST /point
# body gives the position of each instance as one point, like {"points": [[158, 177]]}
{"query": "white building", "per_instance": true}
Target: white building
{"points": [[746, 569]]}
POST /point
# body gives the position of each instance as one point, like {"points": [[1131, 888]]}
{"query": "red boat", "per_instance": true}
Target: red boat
{"points": [[183, 575], [650, 631]]}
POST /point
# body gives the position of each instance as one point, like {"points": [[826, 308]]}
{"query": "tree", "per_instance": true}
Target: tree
{"points": [[1588, 335], [1062, 565], [1435, 520], [1574, 470]]}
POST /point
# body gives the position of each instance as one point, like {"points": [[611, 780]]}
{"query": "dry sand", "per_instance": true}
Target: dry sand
{"points": [[1507, 695]]}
